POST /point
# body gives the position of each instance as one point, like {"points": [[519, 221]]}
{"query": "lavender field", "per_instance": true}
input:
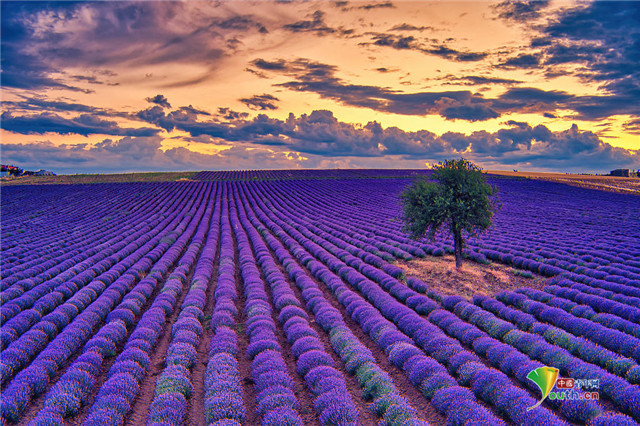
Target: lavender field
{"points": [[275, 298]]}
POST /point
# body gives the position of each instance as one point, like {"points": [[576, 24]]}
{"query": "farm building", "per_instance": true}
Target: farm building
{"points": [[621, 172], [44, 173]]}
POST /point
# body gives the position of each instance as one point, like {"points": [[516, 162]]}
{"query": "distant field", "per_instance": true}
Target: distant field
{"points": [[605, 183], [623, 185], [98, 178]]}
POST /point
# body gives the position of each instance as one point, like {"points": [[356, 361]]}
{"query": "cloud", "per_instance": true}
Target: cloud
{"points": [[40, 40], [379, 5], [84, 124], [229, 114], [159, 100], [316, 25], [523, 61], [260, 102], [632, 126], [476, 80], [278, 65], [469, 112], [144, 154], [34, 103], [433, 47], [602, 39], [322, 134], [319, 78], [521, 10], [409, 27]]}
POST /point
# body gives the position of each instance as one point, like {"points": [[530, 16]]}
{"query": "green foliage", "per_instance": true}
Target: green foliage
{"points": [[456, 199]]}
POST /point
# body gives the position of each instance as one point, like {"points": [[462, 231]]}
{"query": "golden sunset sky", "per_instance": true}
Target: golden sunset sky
{"points": [[145, 86]]}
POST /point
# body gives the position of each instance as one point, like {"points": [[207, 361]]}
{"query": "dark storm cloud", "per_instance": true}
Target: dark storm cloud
{"points": [[261, 102], [279, 65], [229, 114], [605, 35], [470, 56], [315, 24], [159, 100], [397, 42], [521, 10], [21, 69], [600, 39], [632, 126], [92, 79], [84, 124], [240, 22], [603, 39]]}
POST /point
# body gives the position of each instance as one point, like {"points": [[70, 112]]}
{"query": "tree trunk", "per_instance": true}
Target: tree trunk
{"points": [[457, 246]]}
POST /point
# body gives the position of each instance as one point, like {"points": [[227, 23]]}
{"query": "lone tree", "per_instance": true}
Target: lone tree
{"points": [[459, 200]]}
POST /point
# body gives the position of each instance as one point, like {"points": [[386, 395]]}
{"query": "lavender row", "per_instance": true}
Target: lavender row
{"points": [[67, 240], [224, 404], [507, 360], [504, 379]]}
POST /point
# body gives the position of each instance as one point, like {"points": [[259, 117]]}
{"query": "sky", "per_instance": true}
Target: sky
{"points": [[109, 87]]}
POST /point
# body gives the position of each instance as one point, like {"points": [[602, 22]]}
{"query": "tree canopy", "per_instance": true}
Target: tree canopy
{"points": [[457, 198]]}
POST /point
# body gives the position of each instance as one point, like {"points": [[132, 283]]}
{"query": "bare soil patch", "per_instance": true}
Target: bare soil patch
{"points": [[440, 273], [622, 185]]}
